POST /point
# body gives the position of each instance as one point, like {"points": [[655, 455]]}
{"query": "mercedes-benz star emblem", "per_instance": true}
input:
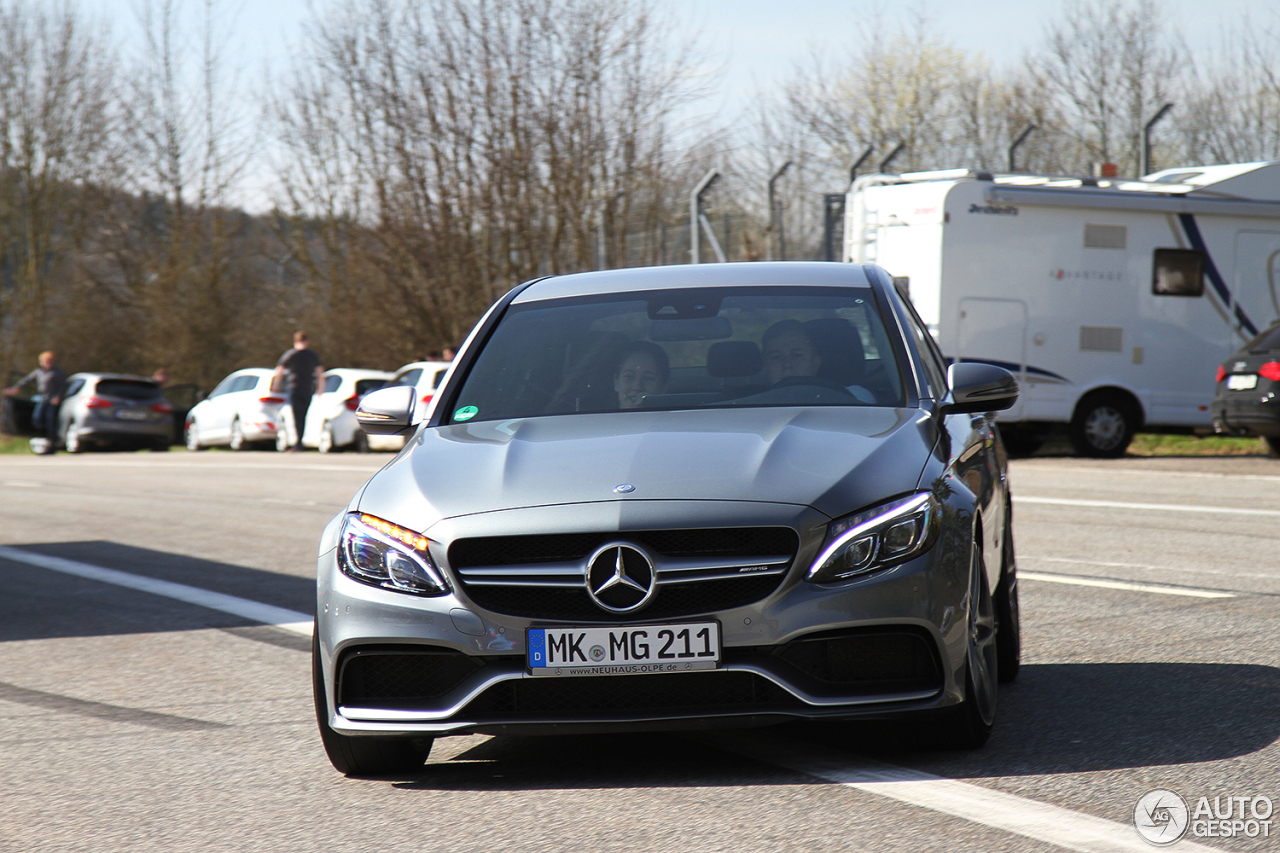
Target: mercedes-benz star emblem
{"points": [[620, 578]]}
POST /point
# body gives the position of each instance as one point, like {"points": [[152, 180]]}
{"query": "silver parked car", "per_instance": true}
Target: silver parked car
{"points": [[668, 497], [102, 410]]}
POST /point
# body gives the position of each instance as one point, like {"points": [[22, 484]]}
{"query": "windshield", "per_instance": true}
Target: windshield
{"points": [[682, 349]]}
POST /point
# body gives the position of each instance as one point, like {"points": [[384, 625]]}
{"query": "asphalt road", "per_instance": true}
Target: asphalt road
{"points": [[131, 720]]}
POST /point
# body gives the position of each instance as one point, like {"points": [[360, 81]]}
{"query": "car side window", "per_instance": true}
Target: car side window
{"points": [[223, 387], [245, 383], [409, 377], [332, 383], [74, 388]]}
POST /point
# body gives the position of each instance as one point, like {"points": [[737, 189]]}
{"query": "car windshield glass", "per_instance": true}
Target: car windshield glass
{"points": [[1268, 341], [128, 389], [682, 349]]}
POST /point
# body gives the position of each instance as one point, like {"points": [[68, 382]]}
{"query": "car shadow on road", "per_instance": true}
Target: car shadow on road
{"points": [[1056, 719], [1081, 717], [597, 761], [43, 604]]}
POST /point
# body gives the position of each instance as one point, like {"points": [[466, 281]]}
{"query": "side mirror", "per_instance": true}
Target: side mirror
{"points": [[387, 411], [978, 387]]}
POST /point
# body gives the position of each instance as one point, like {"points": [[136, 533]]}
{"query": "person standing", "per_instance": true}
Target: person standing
{"points": [[305, 374], [51, 384]]}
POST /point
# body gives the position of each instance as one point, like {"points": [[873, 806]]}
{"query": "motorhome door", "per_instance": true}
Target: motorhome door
{"points": [[995, 331]]}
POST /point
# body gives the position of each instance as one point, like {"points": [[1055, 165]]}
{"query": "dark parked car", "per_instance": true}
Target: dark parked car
{"points": [[1247, 401], [694, 496], [113, 410]]}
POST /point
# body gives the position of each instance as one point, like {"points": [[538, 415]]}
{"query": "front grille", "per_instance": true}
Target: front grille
{"points": [[668, 602], [633, 694], [524, 593], [867, 660], [562, 547], [372, 677]]}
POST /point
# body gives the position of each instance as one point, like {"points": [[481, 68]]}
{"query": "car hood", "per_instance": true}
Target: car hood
{"points": [[836, 460]]}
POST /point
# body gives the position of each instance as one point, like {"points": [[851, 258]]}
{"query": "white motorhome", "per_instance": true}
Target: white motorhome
{"points": [[1113, 301]]}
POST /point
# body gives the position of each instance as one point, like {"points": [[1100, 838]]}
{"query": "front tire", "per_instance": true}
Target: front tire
{"points": [[1008, 615], [325, 443], [370, 755], [71, 438], [237, 436], [968, 725], [1103, 425], [1273, 445], [361, 441]]}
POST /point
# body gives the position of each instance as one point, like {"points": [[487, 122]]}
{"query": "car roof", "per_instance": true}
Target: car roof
{"points": [[357, 373], [125, 376], [803, 273], [425, 365]]}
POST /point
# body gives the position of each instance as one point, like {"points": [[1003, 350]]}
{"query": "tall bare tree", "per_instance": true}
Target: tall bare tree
{"points": [[455, 147], [1110, 66], [57, 122]]}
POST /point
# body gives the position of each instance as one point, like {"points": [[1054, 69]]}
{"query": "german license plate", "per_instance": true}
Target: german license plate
{"points": [[130, 415], [630, 650], [1242, 381]]}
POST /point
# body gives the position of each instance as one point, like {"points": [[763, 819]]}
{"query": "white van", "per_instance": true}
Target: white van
{"points": [[1113, 301]]}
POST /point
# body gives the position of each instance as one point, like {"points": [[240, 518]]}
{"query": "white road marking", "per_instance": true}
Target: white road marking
{"points": [[218, 464], [1197, 570], [1158, 473], [1219, 510], [279, 617], [22, 484], [1135, 587], [1051, 824]]}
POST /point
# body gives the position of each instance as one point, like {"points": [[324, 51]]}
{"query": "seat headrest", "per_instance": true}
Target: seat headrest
{"points": [[734, 358], [840, 347]]}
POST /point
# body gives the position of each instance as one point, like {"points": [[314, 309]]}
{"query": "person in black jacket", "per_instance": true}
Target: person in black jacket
{"points": [[305, 380]]}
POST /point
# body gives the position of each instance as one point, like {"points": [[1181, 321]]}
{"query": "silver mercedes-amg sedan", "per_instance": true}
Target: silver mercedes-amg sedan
{"points": [[687, 496]]}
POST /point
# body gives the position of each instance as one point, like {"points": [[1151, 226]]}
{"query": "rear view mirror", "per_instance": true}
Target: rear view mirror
{"points": [[977, 387], [693, 329], [387, 411]]}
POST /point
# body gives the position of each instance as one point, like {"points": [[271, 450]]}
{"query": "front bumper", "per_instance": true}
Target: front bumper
{"points": [[884, 644]]}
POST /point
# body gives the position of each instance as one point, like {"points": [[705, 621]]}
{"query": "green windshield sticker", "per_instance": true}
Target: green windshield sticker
{"points": [[466, 413]]}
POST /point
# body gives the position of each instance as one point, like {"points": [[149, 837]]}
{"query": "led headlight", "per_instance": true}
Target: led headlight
{"points": [[877, 538], [383, 554]]}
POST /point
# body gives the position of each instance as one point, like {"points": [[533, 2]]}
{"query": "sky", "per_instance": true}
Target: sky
{"points": [[752, 46]]}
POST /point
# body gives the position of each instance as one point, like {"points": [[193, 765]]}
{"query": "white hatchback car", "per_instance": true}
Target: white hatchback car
{"points": [[331, 417], [426, 377], [240, 412]]}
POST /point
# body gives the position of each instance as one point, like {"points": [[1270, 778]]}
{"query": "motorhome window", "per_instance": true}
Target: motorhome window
{"points": [[1105, 236], [1178, 272]]}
